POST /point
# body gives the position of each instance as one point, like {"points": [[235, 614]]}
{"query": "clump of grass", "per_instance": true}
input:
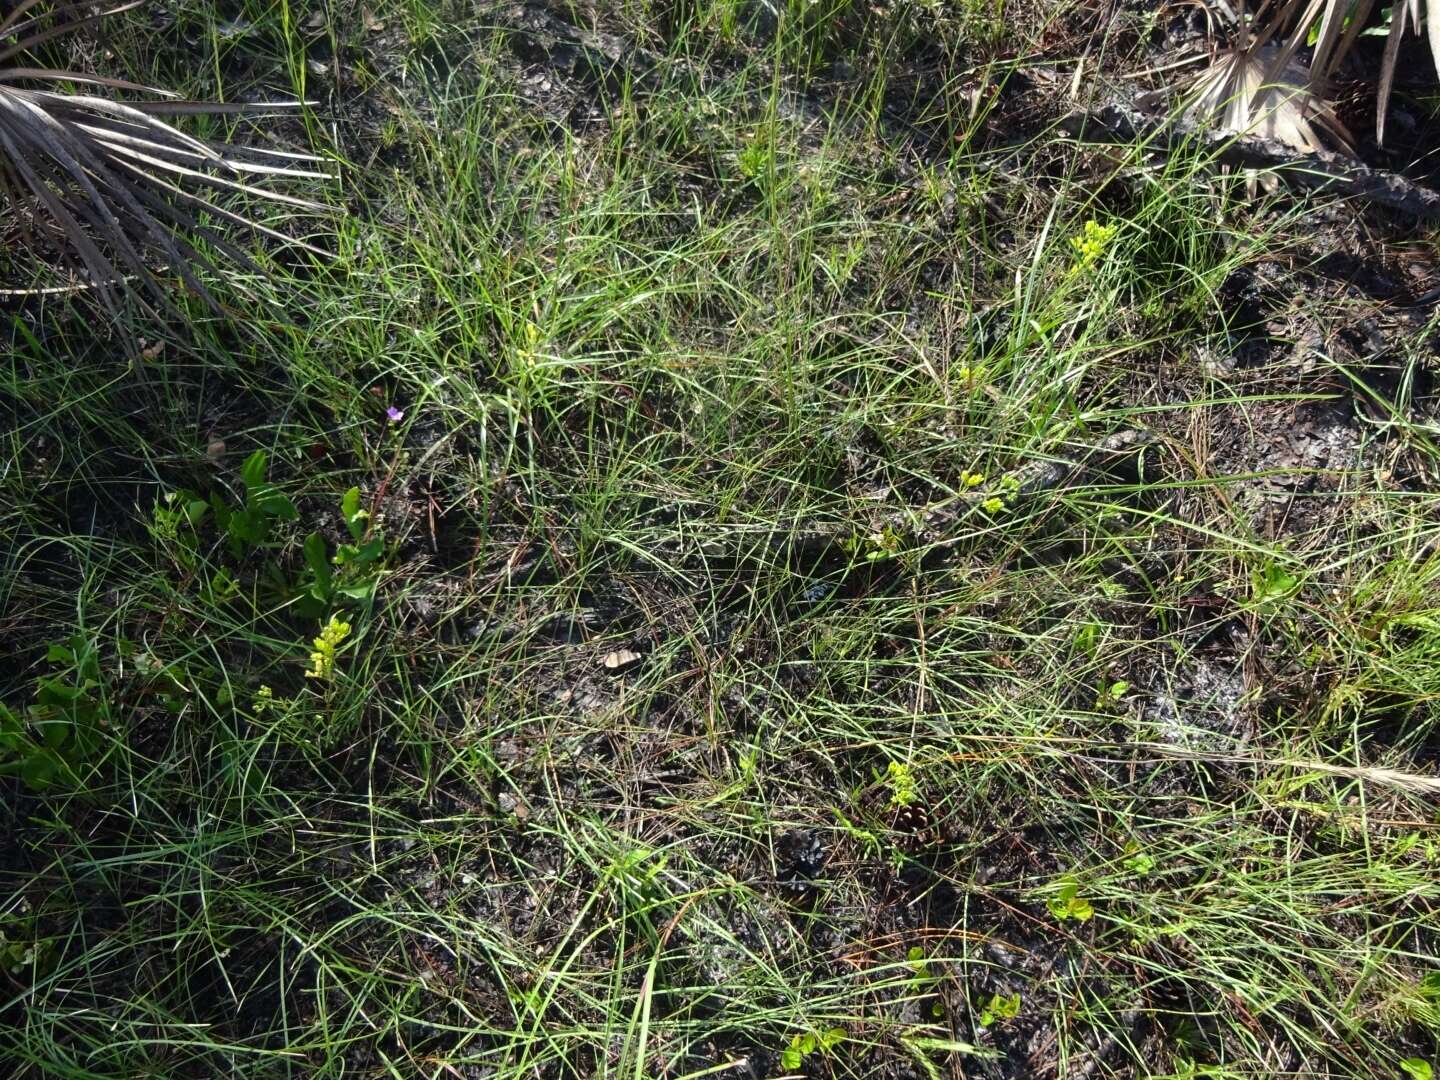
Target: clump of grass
{"points": [[966, 715]]}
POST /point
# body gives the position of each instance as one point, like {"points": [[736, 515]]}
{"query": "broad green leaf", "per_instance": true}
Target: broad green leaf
{"points": [[253, 471], [1140, 864], [9, 722], [353, 514], [277, 506], [246, 526], [222, 511], [55, 692], [316, 557], [368, 552], [309, 606], [40, 768], [1274, 583]]}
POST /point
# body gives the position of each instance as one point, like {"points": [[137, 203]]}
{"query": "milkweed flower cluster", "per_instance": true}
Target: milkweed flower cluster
{"points": [[1009, 490], [322, 657], [900, 778], [1090, 243]]}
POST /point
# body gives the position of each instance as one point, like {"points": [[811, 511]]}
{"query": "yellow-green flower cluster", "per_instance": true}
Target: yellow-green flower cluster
{"points": [[900, 779], [1091, 242], [1009, 490], [322, 657]]}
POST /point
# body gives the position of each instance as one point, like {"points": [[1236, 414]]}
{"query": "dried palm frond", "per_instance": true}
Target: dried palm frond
{"points": [[1340, 23], [1336, 26], [1264, 91], [106, 186]]}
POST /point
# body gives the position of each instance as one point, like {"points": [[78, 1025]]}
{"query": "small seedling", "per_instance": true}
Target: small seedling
{"points": [[354, 570], [637, 869], [803, 1045], [530, 1001], [60, 734], [1000, 1007], [173, 521], [753, 159], [1111, 694], [868, 841], [916, 962], [246, 527], [1272, 584], [22, 951], [873, 546], [1069, 904], [1137, 861], [635, 875], [249, 526], [842, 261], [923, 977], [1416, 1068], [1189, 1069]]}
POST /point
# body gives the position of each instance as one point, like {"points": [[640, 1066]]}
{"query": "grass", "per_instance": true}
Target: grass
{"points": [[757, 437]]}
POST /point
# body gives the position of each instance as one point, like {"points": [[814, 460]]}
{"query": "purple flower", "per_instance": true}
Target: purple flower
{"points": [[395, 415]]}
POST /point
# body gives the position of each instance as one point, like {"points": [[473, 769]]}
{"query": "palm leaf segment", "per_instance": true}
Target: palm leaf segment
{"points": [[108, 186], [1260, 87]]}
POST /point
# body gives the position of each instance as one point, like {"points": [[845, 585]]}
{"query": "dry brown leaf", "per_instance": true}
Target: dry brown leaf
{"points": [[621, 659]]}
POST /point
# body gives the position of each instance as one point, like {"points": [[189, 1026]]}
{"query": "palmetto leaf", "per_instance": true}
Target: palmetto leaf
{"points": [[1263, 91], [1337, 25], [108, 186], [1340, 23]]}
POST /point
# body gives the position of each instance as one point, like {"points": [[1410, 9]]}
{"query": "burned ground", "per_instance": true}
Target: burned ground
{"points": [[820, 598]]}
